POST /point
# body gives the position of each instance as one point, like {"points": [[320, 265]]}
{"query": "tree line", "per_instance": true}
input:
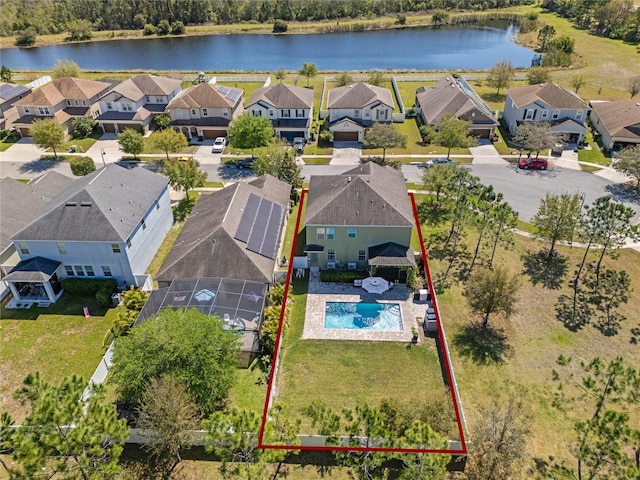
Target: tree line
{"points": [[53, 16]]}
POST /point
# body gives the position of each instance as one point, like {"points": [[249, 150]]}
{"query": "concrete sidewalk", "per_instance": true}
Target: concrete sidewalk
{"points": [[485, 153]]}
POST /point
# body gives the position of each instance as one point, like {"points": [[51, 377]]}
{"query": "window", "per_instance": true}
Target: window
{"points": [[159, 99], [299, 113], [77, 103], [286, 113], [106, 271], [144, 225], [178, 113], [68, 103], [256, 113], [147, 99], [193, 111], [271, 113], [126, 107], [79, 270], [331, 254], [331, 233], [556, 114], [545, 114], [362, 255], [351, 233], [115, 248], [26, 110], [579, 115], [205, 112], [69, 270], [43, 110], [84, 103], [225, 113], [382, 114], [89, 270], [529, 114], [128, 243], [23, 248], [62, 248], [356, 113], [320, 233], [109, 105]]}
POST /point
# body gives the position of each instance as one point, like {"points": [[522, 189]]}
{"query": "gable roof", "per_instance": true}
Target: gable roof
{"points": [[64, 88], [549, 93], [283, 96], [207, 95], [20, 202], [621, 118], [10, 90], [367, 195], [106, 205], [358, 95], [143, 85], [456, 97], [207, 247]]}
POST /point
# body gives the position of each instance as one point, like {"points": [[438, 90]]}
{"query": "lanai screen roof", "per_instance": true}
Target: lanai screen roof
{"points": [[228, 298]]}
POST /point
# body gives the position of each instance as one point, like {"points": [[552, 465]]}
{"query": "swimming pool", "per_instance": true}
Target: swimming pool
{"points": [[363, 316]]}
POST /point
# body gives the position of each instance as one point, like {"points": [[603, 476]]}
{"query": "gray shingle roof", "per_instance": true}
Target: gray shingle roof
{"points": [[20, 202], [283, 96], [550, 93], [366, 195], [106, 205], [206, 246], [621, 118], [142, 85], [358, 95], [207, 95], [455, 97], [10, 90], [36, 269]]}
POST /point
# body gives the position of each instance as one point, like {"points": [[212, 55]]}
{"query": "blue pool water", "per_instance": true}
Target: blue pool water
{"points": [[363, 316]]}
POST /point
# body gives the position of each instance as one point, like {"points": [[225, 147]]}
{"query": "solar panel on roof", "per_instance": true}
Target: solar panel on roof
{"points": [[264, 236], [248, 218]]}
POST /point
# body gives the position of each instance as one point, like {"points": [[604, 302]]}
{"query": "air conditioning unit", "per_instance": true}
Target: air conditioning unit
{"points": [[331, 265], [351, 265]]}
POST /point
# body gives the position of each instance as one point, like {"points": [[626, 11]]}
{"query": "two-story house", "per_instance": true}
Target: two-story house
{"points": [[9, 94], [454, 96], [289, 108], [205, 110], [134, 102], [64, 99], [355, 108], [360, 219], [617, 122], [102, 225], [547, 102]]}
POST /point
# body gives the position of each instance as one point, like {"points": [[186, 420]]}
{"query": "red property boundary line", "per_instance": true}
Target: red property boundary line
{"points": [[445, 357]]}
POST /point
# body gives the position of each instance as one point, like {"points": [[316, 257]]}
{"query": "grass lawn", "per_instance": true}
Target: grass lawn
{"points": [[526, 226], [82, 144], [594, 154], [317, 160], [589, 168], [7, 142], [57, 341], [150, 148], [250, 390]]}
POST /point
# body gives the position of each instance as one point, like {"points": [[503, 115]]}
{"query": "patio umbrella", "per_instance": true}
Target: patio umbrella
{"points": [[375, 285], [204, 295]]}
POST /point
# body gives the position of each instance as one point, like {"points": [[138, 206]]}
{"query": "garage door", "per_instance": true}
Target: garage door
{"points": [[289, 136], [214, 133], [109, 128], [345, 137]]}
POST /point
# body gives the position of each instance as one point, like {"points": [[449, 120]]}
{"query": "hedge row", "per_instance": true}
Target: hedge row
{"points": [[342, 276], [101, 287]]}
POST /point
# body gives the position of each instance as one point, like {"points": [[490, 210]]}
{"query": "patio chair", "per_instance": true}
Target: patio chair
{"points": [[357, 283]]}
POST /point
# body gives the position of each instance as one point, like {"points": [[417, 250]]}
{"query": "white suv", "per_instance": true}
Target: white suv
{"points": [[219, 144]]}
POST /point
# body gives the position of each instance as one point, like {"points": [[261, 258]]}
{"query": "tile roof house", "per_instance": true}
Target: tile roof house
{"points": [[547, 102], [64, 99], [359, 219], [205, 110], [19, 203], [354, 108], [617, 122], [454, 96], [232, 233], [289, 108], [102, 225], [134, 102], [9, 94]]}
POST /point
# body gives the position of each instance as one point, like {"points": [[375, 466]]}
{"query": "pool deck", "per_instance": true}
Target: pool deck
{"points": [[319, 293]]}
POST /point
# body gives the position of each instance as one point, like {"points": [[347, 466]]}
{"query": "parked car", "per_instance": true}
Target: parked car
{"points": [[245, 162], [437, 161], [219, 144], [533, 163], [298, 144], [557, 149]]}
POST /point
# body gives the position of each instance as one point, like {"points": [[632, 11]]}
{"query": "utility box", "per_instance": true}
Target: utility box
{"points": [[115, 299], [430, 325], [422, 295]]}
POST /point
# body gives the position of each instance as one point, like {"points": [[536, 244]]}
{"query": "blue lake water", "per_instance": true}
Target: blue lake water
{"points": [[425, 48], [363, 316]]}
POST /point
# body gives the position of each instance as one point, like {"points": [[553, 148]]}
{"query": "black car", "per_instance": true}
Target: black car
{"points": [[245, 162]]}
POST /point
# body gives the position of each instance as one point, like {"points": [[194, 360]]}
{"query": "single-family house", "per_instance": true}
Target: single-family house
{"points": [[19, 203], [547, 102], [64, 99], [103, 225], [205, 110], [136, 101], [9, 94], [355, 108], [290, 109], [360, 219], [617, 122], [232, 233], [454, 96]]}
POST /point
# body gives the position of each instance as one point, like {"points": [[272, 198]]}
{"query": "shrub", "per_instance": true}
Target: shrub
{"points": [[88, 285], [134, 298], [276, 295], [26, 39], [103, 297], [83, 127], [81, 166], [280, 26], [342, 276], [149, 29], [269, 330], [4, 134], [163, 28], [401, 19], [177, 28]]}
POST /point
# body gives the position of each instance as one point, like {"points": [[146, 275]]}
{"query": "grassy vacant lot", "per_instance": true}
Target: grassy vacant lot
{"points": [[534, 339], [57, 341]]}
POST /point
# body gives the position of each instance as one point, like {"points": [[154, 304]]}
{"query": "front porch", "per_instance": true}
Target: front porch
{"points": [[34, 281]]}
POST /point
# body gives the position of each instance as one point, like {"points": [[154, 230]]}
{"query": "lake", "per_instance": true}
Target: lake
{"points": [[425, 48]]}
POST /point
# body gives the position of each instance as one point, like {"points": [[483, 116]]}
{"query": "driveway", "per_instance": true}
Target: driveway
{"points": [[346, 153], [486, 154], [109, 144]]}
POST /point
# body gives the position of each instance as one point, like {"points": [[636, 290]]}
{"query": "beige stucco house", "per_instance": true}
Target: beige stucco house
{"points": [[617, 122]]}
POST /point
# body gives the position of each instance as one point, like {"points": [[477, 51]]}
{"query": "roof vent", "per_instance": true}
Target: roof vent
{"points": [[85, 204], [71, 204], [349, 180]]}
